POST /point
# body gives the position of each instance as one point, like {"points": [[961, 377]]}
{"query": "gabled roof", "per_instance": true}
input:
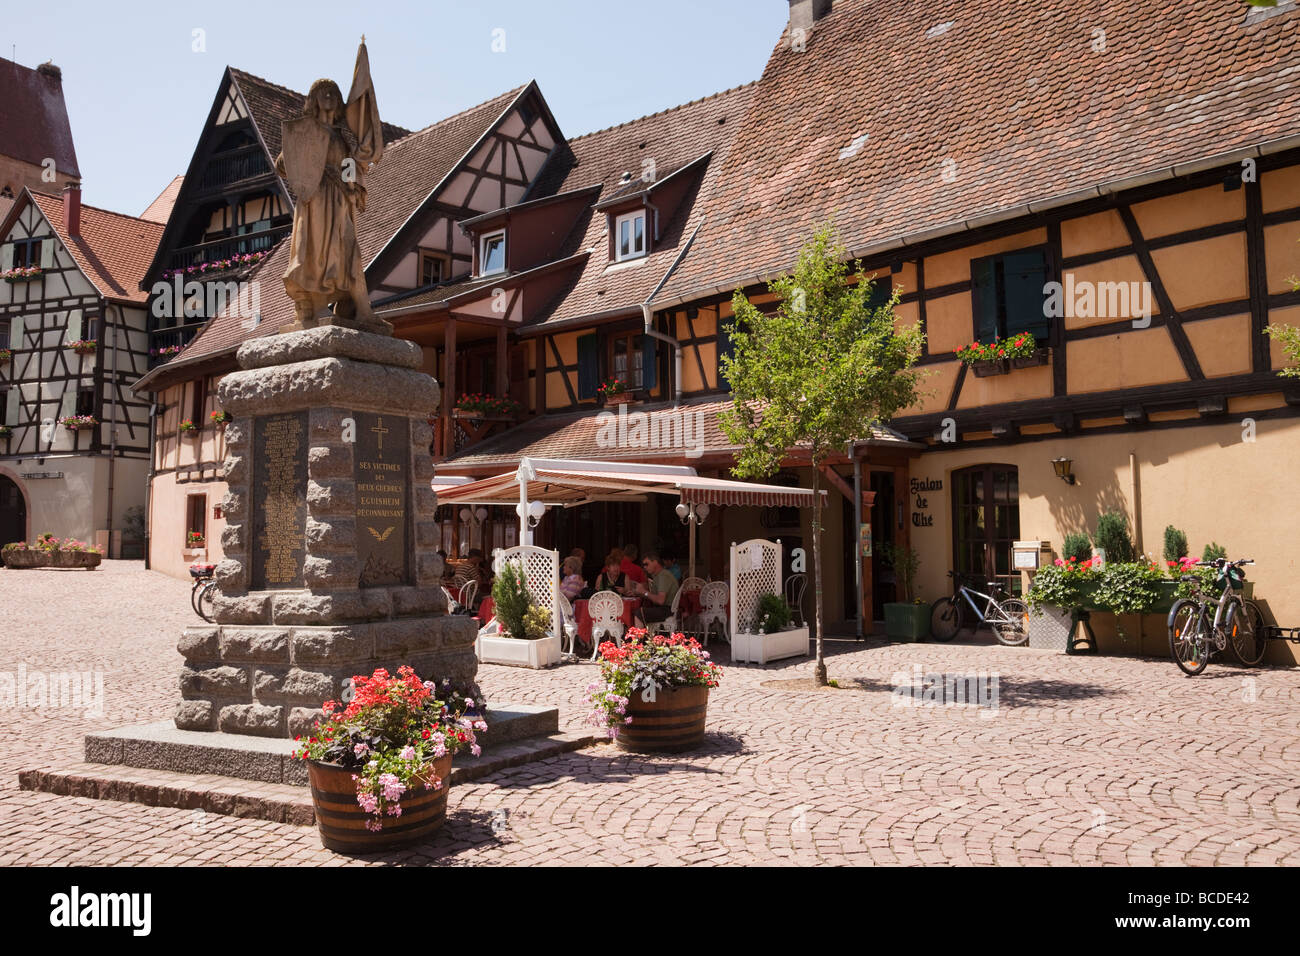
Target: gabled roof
{"points": [[269, 104], [409, 174], [672, 140], [1031, 102], [34, 118], [160, 209], [113, 250]]}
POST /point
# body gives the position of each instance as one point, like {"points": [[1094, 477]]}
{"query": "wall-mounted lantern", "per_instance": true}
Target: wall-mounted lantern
{"points": [[1062, 466]]}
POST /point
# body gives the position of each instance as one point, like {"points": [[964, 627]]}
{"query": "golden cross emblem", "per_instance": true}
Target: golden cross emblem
{"points": [[381, 431]]}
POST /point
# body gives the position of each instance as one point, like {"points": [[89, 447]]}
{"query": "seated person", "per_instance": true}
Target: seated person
{"points": [[572, 584], [613, 578], [630, 567], [670, 563], [658, 593]]}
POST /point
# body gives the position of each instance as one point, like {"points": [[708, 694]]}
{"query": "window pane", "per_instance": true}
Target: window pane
{"points": [[494, 254], [639, 221], [624, 238]]}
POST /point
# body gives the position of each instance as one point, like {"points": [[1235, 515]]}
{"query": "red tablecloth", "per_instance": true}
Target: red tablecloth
{"points": [[689, 605], [486, 610], [630, 607]]}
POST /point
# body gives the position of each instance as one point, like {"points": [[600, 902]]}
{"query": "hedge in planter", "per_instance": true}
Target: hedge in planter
{"points": [[907, 620]]}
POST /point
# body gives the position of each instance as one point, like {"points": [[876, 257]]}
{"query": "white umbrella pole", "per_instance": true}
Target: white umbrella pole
{"points": [[691, 525]]}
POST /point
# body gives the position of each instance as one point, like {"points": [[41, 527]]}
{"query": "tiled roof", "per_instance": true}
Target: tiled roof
{"points": [[1030, 101], [579, 436], [270, 104], [34, 118], [160, 209], [113, 250], [670, 139], [410, 170]]}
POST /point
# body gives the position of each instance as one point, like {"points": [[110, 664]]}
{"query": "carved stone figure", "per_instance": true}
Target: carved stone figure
{"points": [[326, 154]]}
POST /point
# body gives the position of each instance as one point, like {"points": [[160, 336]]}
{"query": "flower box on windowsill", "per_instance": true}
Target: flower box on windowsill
{"points": [[986, 369], [21, 275], [84, 346], [622, 398], [1039, 356], [464, 415]]}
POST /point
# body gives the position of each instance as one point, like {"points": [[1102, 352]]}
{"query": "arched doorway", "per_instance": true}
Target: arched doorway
{"points": [[986, 523], [13, 512]]}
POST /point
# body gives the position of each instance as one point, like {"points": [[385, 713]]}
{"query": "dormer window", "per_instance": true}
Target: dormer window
{"points": [[492, 253], [629, 235]]}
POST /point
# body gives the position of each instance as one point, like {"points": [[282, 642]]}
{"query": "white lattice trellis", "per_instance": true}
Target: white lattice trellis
{"points": [[541, 570], [755, 571]]}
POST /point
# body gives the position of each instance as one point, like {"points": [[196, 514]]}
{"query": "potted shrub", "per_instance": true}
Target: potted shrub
{"points": [[1077, 545], [614, 391], [380, 767], [525, 635], [770, 637], [907, 620], [653, 695], [1056, 593]]}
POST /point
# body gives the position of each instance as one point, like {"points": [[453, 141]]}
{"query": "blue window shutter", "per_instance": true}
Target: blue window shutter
{"points": [[588, 365], [649, 363], [985, 288], [882, 288], [1023, 275]]}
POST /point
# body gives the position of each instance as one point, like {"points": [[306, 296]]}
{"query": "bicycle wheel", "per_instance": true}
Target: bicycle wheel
{"points": [[1012, 623], [945, 619], [1246, 632], [194, 597], [1189, 644], [204, 603]]}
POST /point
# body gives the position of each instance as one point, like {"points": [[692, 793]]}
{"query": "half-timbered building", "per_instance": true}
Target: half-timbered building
{"points": [[74, 447]]}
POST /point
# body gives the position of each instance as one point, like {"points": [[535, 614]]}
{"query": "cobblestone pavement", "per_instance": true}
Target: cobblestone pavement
{"points": [[1085, 761]]}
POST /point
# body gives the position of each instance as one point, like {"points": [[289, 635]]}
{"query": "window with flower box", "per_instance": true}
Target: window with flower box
{"points": [[196, 520], [1008, 295]]}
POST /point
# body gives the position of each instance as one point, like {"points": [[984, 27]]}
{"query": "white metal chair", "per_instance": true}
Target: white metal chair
{"points": [[690, 623], [795, 586], [713, 604], [453, 606], [570, 624], [468, 592], [606, 610]]}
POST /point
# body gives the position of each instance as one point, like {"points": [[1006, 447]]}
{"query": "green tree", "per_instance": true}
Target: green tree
{"points": [[815, 374]]}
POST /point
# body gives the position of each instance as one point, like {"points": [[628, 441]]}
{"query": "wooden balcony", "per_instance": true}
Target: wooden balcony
{"points": [[460, 431], [229, 247]]}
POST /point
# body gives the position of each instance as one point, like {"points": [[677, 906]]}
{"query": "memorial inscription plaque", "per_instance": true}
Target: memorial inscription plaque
{"points": [[383, 474], [279, 501]]}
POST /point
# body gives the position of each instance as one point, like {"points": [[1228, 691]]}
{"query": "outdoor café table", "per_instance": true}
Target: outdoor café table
{"points": [[630, 607]]}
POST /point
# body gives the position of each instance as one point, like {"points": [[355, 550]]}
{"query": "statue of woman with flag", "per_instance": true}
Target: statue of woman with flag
{"points": [[326, 154]]}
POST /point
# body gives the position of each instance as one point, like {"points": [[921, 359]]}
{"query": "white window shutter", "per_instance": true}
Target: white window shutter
{"points": [[74, 325], [16, 332], [47, 254], [68, 405], [6, 256], [11, 407]]}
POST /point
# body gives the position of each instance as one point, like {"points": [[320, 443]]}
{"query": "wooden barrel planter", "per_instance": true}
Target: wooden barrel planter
{"points": [[343, 823], [673, 722]]}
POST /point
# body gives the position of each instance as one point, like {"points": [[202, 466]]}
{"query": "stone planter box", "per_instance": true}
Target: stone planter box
{"points": [[761, 648], [493, 649], [33, 558], [907, 623]]}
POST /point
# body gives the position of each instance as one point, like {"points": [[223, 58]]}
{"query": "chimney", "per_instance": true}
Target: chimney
{"points": [[72, 209], [804, 13]]}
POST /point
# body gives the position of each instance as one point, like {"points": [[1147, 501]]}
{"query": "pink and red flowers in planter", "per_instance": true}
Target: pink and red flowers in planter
{"points": [[394, 739], [75, 423], [642, 678], [1021, 346], [84, 346]]}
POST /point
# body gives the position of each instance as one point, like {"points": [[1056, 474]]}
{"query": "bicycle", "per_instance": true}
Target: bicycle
{"points": [[1239, 624], [203, 590], [1008, 617]]}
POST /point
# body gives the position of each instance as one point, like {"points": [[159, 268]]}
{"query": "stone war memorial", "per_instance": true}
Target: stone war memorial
{"points": [[332, 567]]}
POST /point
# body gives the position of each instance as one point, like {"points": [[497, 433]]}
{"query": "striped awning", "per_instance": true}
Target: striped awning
{"points": [[577, 482]]}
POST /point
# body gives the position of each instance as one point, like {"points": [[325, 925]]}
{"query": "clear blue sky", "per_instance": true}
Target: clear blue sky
{"points": [[138, 93]]}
